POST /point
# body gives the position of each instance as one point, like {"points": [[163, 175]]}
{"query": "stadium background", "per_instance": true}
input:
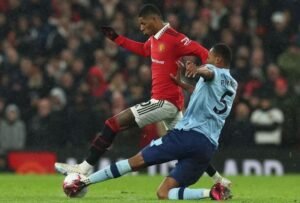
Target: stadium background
{"points": [[60, 79]]}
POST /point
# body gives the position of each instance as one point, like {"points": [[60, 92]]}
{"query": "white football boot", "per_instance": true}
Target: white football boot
{"points": [[66, 169], [224, 182]]}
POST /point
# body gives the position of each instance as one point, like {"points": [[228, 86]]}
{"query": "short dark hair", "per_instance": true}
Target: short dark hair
{"points": [[224, 51], [149, 9]]}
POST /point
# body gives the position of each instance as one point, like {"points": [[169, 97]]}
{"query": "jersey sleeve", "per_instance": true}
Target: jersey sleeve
{"points": [[139, 48], [214, 70], [186, 47]]}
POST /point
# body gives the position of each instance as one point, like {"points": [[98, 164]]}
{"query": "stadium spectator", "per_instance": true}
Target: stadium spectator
{"points": [[239, 131], [289, 61], [96, 82], [267, 121], [12, 130], [81, 120], [43, 131]]}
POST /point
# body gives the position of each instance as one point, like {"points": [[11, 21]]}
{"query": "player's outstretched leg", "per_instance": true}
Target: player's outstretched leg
{"points": [[217, 178], [100, 144]]}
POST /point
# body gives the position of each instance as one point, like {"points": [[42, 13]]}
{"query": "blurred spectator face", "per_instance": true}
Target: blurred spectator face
{"points": [[36, 21], [227, 37], [242, 111], [73, 43], [67, 56], [256, 42], [110, 48], [257, 57], [273, 72], [217, 5], [199, 29], [119, 23], [58, 99], [2, 19], [14, 3], [12, 55], [83, 88], [118, 81], [205, 16], [67, 80], [279, 20], [136, 91], [77, 67], [118, 102], [12, 113], [98, 14], [44, 107], [132, 62], [281, 88], [190, 7], [23, 24], [89, 29], [99, 55], [265, 103], [145, 73], [173, 20], [254, 101], [236, 23], [26, 66], [243, 51]]}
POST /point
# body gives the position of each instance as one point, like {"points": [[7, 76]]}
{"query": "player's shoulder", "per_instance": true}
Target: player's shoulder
{"points": [[172, 32]]}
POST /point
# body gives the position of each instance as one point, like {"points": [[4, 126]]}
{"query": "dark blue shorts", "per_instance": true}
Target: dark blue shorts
{"points": [[192, 149]]}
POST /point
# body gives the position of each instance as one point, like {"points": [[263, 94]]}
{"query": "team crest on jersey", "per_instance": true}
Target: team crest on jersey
{"points": [[161, 47]]}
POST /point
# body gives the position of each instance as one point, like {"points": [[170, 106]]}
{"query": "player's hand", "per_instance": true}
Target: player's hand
{"points": [[109, 32], [177, 78], [190, 69]]}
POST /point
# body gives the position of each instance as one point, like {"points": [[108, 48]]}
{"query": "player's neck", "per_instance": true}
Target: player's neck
{"points": [[222, 66], [159, 27]]}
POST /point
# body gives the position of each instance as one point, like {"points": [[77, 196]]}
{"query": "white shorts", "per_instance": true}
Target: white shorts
{"points": [[154, 111]]}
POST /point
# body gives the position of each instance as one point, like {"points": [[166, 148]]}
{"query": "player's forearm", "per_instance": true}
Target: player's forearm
{"points": [[131, 45], [187, 87], [205, 73]]}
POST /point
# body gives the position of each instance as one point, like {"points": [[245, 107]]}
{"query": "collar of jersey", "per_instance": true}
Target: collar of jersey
{"points": [[161, 31]]}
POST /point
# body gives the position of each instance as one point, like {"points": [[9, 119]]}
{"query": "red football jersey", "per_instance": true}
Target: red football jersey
{"points": [[165, 48]]}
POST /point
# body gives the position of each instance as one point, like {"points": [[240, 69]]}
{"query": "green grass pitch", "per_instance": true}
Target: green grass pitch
{"points": [[48, 188]]}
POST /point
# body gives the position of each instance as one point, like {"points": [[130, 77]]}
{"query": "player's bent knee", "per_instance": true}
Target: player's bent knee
{"points": [[113, 124]]}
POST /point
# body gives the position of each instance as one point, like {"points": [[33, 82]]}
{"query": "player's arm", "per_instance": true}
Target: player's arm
{"points": [[178, 81], [192, 71], [139, 48], [187, 47]]}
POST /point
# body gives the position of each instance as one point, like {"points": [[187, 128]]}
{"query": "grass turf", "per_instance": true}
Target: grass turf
{"points": [[33, 188]]}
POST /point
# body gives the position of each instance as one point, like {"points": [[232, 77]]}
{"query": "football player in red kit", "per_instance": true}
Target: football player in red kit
{"points": [[165, 46]]}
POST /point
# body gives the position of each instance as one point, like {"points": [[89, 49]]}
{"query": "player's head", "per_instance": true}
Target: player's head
{"points": [[220, 55], [150, 19]]}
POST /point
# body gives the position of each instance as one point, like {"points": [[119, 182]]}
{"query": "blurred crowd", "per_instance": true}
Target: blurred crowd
{"points": [[60, 78]]}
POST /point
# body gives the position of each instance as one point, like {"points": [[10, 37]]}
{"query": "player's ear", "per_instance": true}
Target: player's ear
{"points": [[219, 59]]}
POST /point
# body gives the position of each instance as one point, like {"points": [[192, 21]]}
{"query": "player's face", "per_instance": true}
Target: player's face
{"points": [[211, 59], [147, 25]]}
